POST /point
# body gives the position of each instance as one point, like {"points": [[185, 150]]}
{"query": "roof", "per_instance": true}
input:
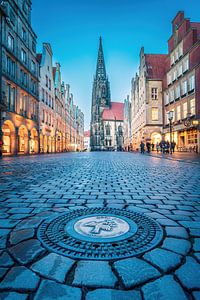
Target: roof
{"points": [[87, 133], [114, 113], [155, 65]]}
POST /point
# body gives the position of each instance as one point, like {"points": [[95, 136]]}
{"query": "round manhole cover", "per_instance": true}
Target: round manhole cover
{"points": [[100, 234]]}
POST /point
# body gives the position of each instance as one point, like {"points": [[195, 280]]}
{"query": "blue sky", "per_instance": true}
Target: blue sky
{"points": [[73, 28]]}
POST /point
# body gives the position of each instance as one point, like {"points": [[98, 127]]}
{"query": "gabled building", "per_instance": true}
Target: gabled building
{"points": [[182, 83], [47, 112], [106, 116], [19, 73], [147, 99]]}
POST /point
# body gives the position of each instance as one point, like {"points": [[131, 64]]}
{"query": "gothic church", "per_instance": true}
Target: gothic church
{"points": [[106, 132]]}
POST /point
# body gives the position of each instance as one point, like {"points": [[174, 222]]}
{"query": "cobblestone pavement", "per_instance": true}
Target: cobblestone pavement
{"points": [[34, 188]]}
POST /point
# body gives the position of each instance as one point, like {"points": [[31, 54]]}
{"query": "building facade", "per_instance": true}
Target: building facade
{"points": [[182, 84], [47, 112], [107, 117], [19, 80], [87, 140], [147, 100], [127, 124]]}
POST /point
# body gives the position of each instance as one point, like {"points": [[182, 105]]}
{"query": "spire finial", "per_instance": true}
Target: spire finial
{"points": [[101, 69]]}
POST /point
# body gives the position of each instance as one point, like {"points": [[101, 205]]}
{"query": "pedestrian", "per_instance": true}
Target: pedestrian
{"points": [[148, 145], [157, 147], [142, 147], [173, 145], [152, 146], [167, 147]]}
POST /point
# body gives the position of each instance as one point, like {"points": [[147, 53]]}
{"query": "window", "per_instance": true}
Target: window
{"points": [[184, 87], [43, 95], [154, 114], [107, 129], [33, 86], [180, 50], [166, 98], [178, 112], [23, 56], [46, 81], [49, 84], [24, 78], [177, 92], [180, 70], [46, 98], [171, 95], [33, 47], [174, 75], [33, 66], [169, 78], [185, 65], [154, 94], [43, 115], [185, 110], [10, 66], [192, 107], [10, 95], [23, 34], [10, 42], [191, 83]]}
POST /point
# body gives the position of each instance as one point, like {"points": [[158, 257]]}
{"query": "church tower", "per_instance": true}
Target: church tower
{"points": [[100, 101]]}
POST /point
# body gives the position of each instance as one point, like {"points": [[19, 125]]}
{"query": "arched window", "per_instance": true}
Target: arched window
{"points": [[120, 130], [107, 129]]}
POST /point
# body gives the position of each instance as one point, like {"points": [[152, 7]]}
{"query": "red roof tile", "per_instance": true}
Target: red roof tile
{"points": [[155, 65], [87, 133], [116, 112]]}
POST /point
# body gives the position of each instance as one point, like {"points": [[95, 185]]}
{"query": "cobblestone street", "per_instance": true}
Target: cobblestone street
{"points": [[35, 188]]}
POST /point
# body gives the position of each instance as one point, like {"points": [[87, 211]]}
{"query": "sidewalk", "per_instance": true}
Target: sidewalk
{"points": [[189, 157]]}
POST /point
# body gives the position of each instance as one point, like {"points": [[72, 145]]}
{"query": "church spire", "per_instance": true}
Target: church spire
{"points": [[101, 69]]}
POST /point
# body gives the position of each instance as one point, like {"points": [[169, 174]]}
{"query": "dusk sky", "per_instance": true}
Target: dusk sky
{"points": [[73, 28]]}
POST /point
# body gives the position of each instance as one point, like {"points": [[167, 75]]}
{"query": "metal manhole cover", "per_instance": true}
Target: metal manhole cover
{"points": [[100, 234]]}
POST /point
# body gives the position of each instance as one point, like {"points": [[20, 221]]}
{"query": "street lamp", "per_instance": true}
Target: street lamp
{"points": [[170, 118]]}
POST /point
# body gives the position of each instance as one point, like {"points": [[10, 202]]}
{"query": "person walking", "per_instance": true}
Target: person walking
{"points": [[157, 147], [148, 145], [142, 147], [173, 145]]}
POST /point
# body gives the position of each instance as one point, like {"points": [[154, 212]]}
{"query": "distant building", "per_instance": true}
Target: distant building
{"points": [[47, 110], [87, 140], [182, 83], [106, 117], [147, 100], [19, 78], [127, 125]]}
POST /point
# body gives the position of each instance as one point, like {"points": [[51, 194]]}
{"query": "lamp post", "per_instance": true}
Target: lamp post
{"points": [[170, 118]]}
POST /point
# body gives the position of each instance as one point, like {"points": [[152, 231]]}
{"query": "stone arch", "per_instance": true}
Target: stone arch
{"points": [[156, 137], [9, 138], [33, 141], [22, 140]]}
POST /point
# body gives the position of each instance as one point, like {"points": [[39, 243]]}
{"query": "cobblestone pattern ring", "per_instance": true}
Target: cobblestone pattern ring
{"points": [[100, 234]]}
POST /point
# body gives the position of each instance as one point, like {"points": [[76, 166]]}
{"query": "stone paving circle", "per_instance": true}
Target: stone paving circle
{"points": [[100, 234]]}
